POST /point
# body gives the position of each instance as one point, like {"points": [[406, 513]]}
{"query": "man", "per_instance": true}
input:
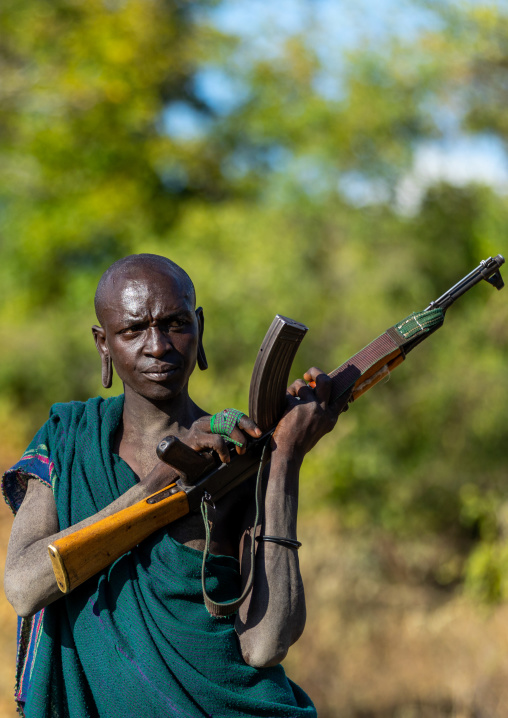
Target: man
{"points": [[136, 640]]}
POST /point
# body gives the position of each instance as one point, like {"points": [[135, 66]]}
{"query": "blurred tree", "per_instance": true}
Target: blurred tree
{"points": [[288, 201], [87, 170]]}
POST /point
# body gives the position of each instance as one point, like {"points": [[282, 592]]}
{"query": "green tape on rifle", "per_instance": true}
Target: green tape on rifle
{"points": [[419, 322]]}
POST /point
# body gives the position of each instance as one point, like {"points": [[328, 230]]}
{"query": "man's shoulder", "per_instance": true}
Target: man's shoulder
{"points": [[70, 412]]}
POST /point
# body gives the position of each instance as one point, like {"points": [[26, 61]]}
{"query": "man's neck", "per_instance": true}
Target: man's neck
{"points": [[151, 420], [145, 423]]}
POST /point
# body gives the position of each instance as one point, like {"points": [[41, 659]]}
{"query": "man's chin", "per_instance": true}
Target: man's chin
{"points": [[158, 391]]}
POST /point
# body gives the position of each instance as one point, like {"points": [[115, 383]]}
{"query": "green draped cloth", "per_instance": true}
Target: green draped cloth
{"points": [[137, 640]]}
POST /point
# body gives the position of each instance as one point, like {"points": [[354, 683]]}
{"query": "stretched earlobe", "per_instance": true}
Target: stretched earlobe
{"points": [[202, 363], [106, 363], [107, 371]]}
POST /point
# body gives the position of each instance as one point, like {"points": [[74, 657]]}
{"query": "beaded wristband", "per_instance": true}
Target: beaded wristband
{"points": [[224, 422]]}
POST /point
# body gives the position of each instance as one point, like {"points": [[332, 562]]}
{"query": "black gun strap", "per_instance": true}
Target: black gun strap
{"points": [[227, 608]]}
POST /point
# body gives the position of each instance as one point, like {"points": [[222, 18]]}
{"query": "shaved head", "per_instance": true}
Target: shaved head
{"points": [[135, 266]]}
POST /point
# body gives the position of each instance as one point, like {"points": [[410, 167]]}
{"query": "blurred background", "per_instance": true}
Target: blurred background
{"points": [[340, 163]]}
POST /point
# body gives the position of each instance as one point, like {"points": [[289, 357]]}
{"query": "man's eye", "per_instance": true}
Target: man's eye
{"points": [[173, 324]]}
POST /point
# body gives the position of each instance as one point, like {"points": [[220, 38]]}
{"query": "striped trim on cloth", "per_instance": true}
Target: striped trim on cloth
{"points": [[34, 464], [29, 633]]}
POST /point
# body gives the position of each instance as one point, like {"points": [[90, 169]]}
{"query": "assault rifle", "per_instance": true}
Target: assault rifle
{"points": [[200, 476]]}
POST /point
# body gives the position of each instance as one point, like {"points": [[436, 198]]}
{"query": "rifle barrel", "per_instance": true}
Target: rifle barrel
{"points": [[488, 269]]}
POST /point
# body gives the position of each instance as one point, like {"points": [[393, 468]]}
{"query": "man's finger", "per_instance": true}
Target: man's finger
{"points": [[323, 388], [248, 425], [237, 435], [303, 390], [215, 442], [295, 387], [321, 382], [292, 390], [219, 445], [312, 374]]}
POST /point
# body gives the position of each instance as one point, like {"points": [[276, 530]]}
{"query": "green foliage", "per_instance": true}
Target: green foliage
{"points": [[258, 207], [487, 571]]}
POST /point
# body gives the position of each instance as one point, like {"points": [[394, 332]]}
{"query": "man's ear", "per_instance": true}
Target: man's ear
{"points": [[202, 363], [102, 347]]}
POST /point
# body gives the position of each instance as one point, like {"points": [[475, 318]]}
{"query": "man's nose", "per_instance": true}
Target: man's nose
{"points": [[157, 342]]}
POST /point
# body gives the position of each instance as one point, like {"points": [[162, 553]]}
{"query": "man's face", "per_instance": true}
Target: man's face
{"points": [[152, 333]]}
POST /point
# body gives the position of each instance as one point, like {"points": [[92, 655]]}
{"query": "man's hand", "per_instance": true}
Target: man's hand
{"points": [[309, 414], [200, 437]]}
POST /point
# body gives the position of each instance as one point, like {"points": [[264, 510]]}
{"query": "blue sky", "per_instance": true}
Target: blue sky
{"points": [[334, 28], [339, 24], [331, 27]]}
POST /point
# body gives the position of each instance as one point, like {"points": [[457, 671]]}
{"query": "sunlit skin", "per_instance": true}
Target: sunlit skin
{"points": [[152, 333], [152, 336]]}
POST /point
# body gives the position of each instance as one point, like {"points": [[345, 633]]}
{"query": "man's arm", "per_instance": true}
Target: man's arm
{"points": [[30, 582], [273, 616]]}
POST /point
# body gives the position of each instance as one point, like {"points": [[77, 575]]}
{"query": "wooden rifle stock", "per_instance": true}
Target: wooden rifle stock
{"points": [[199, 477]]}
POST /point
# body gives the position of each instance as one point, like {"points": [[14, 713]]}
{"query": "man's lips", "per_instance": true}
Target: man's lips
{"points": [[160, 372]]}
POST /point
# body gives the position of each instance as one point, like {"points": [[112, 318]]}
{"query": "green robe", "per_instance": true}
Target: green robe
{"points": [[136, 640]]}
